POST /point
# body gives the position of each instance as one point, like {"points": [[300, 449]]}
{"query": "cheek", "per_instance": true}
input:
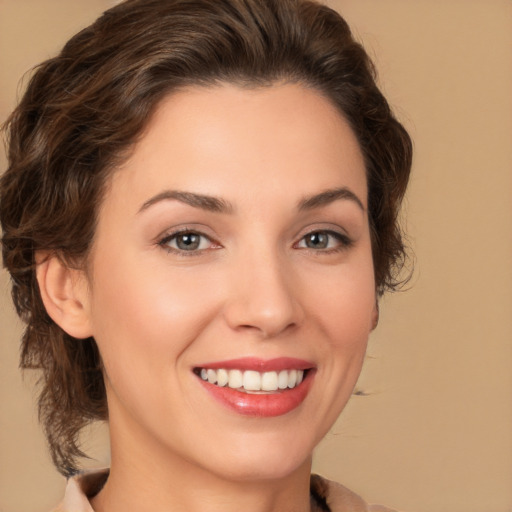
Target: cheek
{"points": [[144, 316], [344, 302], [344, 311]]}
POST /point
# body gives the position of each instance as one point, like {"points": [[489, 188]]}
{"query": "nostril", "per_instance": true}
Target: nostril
{"points": [[265, 330], [263, 303]]}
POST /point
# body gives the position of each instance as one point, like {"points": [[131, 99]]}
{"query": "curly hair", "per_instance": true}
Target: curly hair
{"points": [[84, 109]]}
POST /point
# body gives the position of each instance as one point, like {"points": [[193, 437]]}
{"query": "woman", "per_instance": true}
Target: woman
{"points": [[199, 215]]}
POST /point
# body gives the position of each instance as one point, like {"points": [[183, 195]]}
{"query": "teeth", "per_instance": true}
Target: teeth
{"points": [[222, 377], [211, 376], [251, 380], [282, 379], [292, 378], [235, 379], [269, 381]]}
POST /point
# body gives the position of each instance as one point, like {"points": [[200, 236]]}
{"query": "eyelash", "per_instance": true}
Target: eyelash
{"points": [[343, 242], [167, 239]]}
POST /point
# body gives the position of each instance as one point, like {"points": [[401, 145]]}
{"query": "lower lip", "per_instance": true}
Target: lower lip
{"points": [[261, 405]]}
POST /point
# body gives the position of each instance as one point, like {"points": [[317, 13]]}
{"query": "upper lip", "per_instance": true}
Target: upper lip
{"points": [[260, 365]]}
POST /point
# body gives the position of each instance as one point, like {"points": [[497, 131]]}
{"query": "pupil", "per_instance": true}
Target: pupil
{"points": [[188, 241], [316, 240]]}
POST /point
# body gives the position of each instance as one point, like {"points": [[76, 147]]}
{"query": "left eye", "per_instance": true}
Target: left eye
{"points": [[187, 241], [322, 240]]}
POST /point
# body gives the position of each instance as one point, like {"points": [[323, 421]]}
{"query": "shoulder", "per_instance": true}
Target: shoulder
{"points": [[334, 497], [80, 488]]}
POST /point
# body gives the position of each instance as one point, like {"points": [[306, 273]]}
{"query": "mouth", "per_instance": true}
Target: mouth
{"points": [[252, 381], [255, 387]]}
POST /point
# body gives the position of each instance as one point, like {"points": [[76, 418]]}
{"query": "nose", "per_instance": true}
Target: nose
{"points": [[263, 297]]}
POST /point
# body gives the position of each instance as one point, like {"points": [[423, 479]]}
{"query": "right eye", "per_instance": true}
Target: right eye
{"points": [[187, 241]]}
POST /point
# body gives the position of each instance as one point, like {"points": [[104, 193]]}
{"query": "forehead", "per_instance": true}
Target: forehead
{"points": [[259, 138]]}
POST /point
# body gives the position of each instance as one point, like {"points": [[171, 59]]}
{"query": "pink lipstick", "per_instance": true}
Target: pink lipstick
{"points": [[258, 387]]}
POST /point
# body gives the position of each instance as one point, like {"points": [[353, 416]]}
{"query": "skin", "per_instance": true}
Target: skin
{"points": [[254, 287]]}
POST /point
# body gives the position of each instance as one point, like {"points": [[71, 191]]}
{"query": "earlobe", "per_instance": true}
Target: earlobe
{"points": [[65, 295]]}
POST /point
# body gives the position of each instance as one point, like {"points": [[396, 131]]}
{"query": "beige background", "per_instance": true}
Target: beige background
{"points": [[435, 432]]}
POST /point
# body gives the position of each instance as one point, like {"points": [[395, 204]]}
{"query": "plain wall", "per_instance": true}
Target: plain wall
{"points": [[434, 432]]}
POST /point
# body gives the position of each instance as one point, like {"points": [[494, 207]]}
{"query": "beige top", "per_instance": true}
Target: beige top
{"points": [[326, 496]]}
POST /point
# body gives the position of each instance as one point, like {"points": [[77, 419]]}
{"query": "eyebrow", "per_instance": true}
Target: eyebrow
{"points": [[218, 205], [329, 196], [204, 202]]}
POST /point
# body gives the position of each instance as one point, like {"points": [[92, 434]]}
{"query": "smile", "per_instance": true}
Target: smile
{"points": [[251, 381], [257, 387]]}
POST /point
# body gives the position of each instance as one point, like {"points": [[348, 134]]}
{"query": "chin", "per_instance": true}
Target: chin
{"points": [[264, 470], [262, 460]]}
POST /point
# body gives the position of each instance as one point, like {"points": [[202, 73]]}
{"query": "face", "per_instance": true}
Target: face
{"points": [[231, 288]]}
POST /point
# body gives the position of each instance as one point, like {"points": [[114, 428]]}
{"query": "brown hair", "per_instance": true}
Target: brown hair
{"points": [[83, 110]]}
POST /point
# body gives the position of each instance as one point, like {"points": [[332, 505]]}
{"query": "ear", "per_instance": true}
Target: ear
{"points": [[65, 295], [375, 315]]}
